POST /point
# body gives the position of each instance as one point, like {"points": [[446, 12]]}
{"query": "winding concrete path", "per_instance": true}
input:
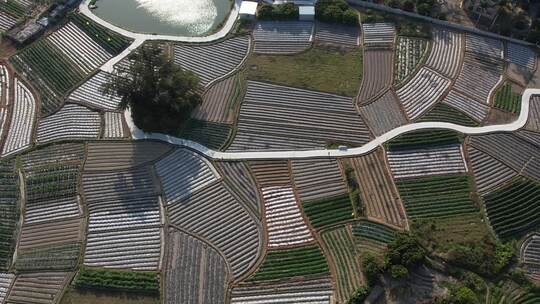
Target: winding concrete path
{"points": [[372, 145], [140, 38]]}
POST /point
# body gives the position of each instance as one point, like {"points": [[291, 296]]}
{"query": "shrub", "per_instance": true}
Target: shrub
{"points": [[408, 5], [398, 271], [372, 268], [335, 11], [359, 295], [424, 9], [265, 11], [350, 17], [287, 11], [405, 250], [332, 14]]}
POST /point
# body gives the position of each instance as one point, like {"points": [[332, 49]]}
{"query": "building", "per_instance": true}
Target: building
{"points": [[248, 10], [306, 13], [27, 33]]}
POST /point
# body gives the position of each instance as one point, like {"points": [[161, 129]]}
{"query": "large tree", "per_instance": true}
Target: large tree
{"points": [[160, 94]]}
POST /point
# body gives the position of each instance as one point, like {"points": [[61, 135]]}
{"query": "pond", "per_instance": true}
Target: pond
{"points": [[166, 17]]}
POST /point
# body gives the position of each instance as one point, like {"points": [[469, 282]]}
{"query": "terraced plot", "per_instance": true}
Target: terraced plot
{"points": [[434, 197], [340, 245], [49, 258], [446, 113], [13, 11], [446, 52], [53, 154], [33, 236], [282, 37], [530, 136], [378, 74], [123, 155], [9, 196], [474, 109], [372, 238], [336, 34], [306, 261], [4, 100], [427, 161], [274, 117], [514, 209], [213, 61], [72, 122], [23, 118], [533, 122], [409, 54], [239, 179], [393, 116], [114, 125], [271, 173], [220, 219], [423, 139], [304, 292], [521, 55], [378, 34], [38, 288], [124, 220], [196, 272], [516, 153], [217, 102], [90, 93], [378, 193], [479, 76], [76, 45], [210, 134], [6, 279], [329, 211], [484, 46], [530, 256], [507, 99], [111, 41], [39, 211], [135, 283], [7, 21], [315, 179], [284, 221], [489, 172], [183, 173], [422, 92]]}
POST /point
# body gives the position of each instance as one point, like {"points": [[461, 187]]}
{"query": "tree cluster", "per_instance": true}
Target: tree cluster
{"points": [[422, 7], [336, 11], [160, 94], [287, 11]]}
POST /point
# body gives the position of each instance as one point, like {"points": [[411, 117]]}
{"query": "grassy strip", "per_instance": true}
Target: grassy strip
{"points": [[373, 231], [328, 211], [506, 99], [514, 209], [332, 71], [297, 262], [106, 279], [52, 182], [445, 113], [9, 194], [423, 138], [434, 197], [113, 42], [211, 134], [59, 257]]}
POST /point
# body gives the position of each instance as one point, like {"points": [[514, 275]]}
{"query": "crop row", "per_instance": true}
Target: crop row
{"points": [[50, 258], [506, 99], [114, 43], [514, 209], [8, 211], [328, 211], [445, 113], [409, 53], [53, 182], [317, 179], [434, 197], [423, 138], [297, 262], [105, 279], [373, 231], [53, 154], [13, 8], [210, 134]]}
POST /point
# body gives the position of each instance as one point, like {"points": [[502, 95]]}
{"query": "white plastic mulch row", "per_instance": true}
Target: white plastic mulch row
{"points": [[316, 179], [71, 122], [34, 288], [489, 173], [474, 109], [422, 91], [114, 125], [378, 34], [427, 161], [282, 37], [90, 93], [307, 291], [22, 121], [6, 279], [45, 211], [4, 93], [79, 47], [521, 55], [530, 255], [446, 52], [479, 76], [286, 226], [183, 173], [6, 21], [484, 46]]}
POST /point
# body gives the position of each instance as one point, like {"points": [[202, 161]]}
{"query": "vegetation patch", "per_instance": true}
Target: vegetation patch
{"points": [[113, 42], [335, 11], [514, 209], [287, 11], [319, 69], [107, 279], [9, 196], [59, 257], [423, 138], [87, 296], [435, 197], [297, 262], [52, 182], [508, 100], [409, 54], [445, 113], [328, 211]]}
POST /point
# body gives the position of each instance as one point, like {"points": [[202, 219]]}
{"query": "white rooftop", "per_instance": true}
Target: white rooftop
{"points": [[248, 8], [306, 10]]}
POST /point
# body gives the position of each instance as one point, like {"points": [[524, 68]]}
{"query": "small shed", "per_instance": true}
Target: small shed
{"points": [[248, 10], [27, 33], [307, 13]]}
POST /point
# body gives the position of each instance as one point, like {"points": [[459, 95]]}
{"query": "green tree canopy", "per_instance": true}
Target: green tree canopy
{"points": [[160, 94]]}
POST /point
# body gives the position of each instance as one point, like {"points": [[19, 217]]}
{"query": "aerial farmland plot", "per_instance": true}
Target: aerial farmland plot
{"points": [[370, 158]]}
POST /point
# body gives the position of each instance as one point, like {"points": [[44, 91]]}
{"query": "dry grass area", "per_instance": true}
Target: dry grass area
{"points": [[75, 296], [326, 70]]}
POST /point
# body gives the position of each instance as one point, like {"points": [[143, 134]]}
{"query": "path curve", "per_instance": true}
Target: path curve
{"points": [[138, 134], [140, 38]]}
